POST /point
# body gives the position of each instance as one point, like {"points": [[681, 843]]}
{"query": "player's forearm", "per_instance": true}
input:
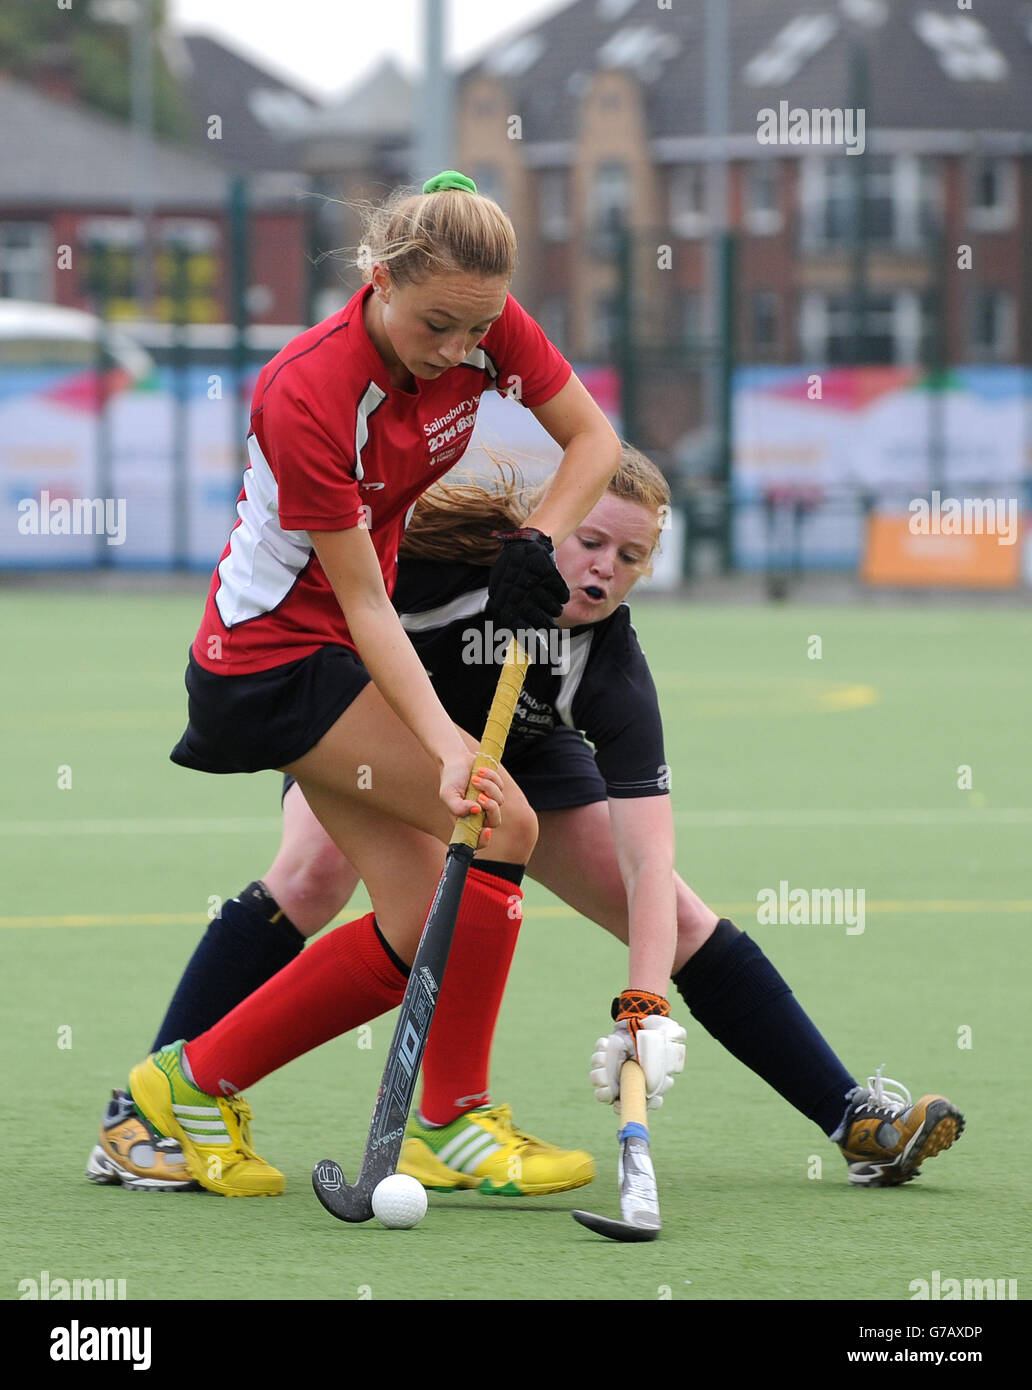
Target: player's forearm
{"points": [[353, 570], [652, 925], [391, 660], [588, 464], [643, 832]]}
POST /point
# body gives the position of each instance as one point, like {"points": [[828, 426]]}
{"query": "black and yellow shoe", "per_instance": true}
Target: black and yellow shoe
{"points": [[130, 1152], [885, 1136]]}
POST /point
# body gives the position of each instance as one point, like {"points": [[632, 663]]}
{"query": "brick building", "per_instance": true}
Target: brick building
{"points": [[598, 114], [71, 199]]}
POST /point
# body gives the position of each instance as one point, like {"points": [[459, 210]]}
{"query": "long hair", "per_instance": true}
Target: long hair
{"points": [[454, 520]]}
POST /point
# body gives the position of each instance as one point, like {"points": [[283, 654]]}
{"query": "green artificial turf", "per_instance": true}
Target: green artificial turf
{"points": [[784, 767]]}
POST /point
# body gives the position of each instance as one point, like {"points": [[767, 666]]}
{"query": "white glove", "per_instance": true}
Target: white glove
{"points": [[660, 1052]]}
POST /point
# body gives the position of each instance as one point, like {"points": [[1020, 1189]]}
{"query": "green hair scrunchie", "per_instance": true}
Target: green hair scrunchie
{"points": [[450, 178]]}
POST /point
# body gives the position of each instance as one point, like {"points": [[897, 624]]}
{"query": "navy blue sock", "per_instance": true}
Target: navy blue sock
{"points": [[246, 944], [736, 994]]}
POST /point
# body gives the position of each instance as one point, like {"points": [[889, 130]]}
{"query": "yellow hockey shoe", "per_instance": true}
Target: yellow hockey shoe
{"points": [[129, 1152], [213, 1131], [885, 1136], [483, 1149]]}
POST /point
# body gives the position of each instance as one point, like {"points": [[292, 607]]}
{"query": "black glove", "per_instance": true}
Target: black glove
{"points": [[525, 589]]}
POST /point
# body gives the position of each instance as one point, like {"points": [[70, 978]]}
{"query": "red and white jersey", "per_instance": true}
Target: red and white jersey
{"points": [[334, 445]]}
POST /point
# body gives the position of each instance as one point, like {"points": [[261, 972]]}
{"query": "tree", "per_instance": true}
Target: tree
{"points": [[38, 38]]}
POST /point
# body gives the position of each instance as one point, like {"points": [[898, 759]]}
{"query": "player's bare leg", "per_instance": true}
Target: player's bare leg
{"points": [[310, 879], [575, 857]]}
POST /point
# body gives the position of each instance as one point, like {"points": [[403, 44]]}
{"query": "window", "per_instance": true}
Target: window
{"points": [[488, 181], [826, 198], [610, 201], [894, 329], [188, 272], [764, 328], [880, 200], [605, 328], [25, 261], [918, 202], [688, 200], [554, 204], [184, 262], [686, 312], [112, 264], [902, 202], [554, 318], [993, 324], [763, 197], [992, 194]]}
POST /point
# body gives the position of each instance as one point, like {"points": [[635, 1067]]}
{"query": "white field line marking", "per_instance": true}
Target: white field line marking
{"points": [[1001, 815], [239, 825], [740, 910], [699, 820]]}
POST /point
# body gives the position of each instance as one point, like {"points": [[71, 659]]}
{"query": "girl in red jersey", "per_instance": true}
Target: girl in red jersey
{"points": [[301, 664]]}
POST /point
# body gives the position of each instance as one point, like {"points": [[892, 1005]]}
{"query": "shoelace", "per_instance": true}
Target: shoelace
{"points": [[502, 1116], [243, 1114], [884, 1101]]}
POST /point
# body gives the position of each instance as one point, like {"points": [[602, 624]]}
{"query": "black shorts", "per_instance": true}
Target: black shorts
{"points": [[268, 719], [554, 773]]}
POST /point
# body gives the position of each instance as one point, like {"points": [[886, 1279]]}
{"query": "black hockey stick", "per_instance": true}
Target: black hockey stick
{"points": [[394, 1099]]}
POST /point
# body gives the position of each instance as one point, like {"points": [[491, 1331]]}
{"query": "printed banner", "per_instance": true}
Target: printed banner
{"points": [[830, 438]]}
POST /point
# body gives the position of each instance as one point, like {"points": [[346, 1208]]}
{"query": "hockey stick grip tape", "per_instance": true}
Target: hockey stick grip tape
{"points": [[633, 1101], [496, 731]]}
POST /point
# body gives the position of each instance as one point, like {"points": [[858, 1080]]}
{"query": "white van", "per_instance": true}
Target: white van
{"points": [[44, 335]]}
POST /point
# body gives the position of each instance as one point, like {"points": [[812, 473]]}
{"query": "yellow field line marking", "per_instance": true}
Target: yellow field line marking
{"points": [[699, 820], [742, 909]]}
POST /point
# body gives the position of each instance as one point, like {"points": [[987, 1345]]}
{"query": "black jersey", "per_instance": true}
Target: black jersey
{"points": [[597, 682]]}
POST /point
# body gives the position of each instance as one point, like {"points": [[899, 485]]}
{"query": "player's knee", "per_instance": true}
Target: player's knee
{"points": [[521, 830], [313, 886]]}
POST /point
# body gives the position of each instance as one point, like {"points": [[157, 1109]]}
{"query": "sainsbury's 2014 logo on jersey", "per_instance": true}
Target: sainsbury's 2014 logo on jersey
{"points": [[452, 425]]}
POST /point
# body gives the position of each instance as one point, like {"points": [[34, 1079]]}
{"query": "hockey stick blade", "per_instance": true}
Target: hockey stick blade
{"points": [[615, 1230]]}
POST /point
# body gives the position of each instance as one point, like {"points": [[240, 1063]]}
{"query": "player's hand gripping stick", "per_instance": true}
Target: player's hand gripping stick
{"points": [[639, 1199]]}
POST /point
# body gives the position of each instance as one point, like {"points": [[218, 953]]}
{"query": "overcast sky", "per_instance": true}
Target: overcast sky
{"points": [[325, 45]]}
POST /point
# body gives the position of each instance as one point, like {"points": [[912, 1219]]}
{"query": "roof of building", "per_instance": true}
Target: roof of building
{"points": [[61, 153], [260, 113], [929, 68], [380, 106]]}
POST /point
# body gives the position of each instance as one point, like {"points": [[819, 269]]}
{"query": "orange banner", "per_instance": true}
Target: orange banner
{"points": [[895, 555]]}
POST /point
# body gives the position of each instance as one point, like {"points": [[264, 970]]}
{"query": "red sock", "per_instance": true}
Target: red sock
{"points": [[458, 1051], [338, 982]]}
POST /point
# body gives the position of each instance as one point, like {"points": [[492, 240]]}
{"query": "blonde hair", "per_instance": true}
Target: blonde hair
{"points": [[454, 520], [419, 234]]}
